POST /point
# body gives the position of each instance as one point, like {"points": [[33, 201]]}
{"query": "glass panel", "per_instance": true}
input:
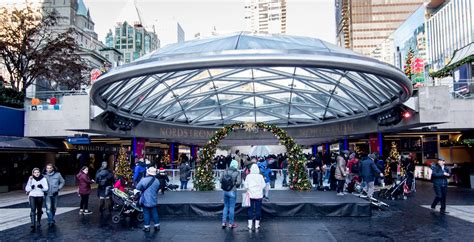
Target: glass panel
{"points": [[248, 117], [263, 117], [229, 111], [229, 99], [248, 102], [121, 93], [110, 89], [192, 115], [297, 114], [215, 115], [211, 101], [173, 110]]}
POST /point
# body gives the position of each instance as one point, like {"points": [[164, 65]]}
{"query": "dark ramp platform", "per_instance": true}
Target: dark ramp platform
{"points": [[282, 204]]}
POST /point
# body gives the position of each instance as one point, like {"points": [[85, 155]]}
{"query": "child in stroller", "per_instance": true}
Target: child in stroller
{"points": [[355, 185], [398, 190], [163, 178], [128, 206]]}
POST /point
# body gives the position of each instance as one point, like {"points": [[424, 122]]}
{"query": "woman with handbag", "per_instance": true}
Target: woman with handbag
{"points": [[149, 187], [254, 185], [36, 187]]}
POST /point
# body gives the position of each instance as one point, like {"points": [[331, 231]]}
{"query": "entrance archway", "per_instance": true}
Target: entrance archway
{"points": [[298, 180]]}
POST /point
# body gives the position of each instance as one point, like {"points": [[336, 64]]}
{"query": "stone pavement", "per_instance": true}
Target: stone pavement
{"points": [[404, 220]]}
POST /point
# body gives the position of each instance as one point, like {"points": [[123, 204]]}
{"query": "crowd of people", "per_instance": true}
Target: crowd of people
{"points": [[256, 175]]}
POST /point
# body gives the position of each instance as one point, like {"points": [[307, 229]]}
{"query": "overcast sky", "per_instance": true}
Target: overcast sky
{"points": [[313, 18]]}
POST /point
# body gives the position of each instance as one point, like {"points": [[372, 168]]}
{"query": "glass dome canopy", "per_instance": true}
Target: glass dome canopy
{"points": [[284, 80]]}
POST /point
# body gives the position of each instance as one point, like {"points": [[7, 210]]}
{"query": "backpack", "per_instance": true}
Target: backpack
{"points": [[227, 182], [356, 167], [102, 179]]}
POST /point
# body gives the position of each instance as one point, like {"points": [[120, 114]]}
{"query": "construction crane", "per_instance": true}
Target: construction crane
{"points": [[138, 12]]}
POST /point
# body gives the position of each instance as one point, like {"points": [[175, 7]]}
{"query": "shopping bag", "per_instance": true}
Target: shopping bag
{"points": [[245, 200]]}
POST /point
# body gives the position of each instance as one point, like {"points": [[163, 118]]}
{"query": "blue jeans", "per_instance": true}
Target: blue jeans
{"points": [[255, 204], [51, 205], [184, 185], [229, 206], [151, 212]]}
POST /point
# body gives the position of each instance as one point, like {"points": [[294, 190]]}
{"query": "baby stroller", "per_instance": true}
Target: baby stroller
{"points": [[398, 190], [355, 185], [128, 206]]}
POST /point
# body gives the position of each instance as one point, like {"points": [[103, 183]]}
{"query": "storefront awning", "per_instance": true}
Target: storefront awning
{"points": [[461, 57], [12, 143]]}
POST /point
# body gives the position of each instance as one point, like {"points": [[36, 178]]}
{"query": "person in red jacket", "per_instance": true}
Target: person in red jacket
{"points": [[84, 189], [120, 183]]}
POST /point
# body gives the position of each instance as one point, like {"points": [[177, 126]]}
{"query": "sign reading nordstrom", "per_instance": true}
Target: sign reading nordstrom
{"points": [[186, 133], [321, 131]]}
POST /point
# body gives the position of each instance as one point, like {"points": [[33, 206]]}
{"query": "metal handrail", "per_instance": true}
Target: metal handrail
{"points": [[43, 95]]}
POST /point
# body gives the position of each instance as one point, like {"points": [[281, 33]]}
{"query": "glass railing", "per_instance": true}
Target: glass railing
{"points": [[461, 89]]}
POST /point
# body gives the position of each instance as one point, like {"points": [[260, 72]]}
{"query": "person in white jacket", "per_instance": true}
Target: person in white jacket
{"points": [[254, 185], [36, 187]]}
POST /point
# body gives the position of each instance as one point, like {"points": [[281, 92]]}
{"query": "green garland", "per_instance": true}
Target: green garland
{"points": [[466, 142], [446, 71], [298, 179]]}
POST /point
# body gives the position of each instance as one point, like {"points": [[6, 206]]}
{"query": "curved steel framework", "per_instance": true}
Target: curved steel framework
{"points": [[224, 89]]}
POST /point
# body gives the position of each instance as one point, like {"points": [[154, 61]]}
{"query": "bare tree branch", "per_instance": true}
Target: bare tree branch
{"points": [[32, 47]]}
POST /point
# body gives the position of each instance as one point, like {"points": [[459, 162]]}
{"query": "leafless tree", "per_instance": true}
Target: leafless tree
{"points": [[33, 46]]}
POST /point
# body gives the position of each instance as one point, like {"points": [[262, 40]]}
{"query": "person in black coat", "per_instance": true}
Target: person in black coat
{"points": [[164, 180], [104, 179], [440, 184], [368, 172]]}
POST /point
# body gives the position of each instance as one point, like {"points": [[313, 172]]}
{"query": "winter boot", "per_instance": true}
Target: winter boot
{"points": [[250, 224], [33, 222], [102, 205], [38, 219], [257, 224]]}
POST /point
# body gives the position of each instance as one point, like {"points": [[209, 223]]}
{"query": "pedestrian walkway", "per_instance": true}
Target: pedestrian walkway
{"points": [[404, 220], [465, 212], [13, 217]]}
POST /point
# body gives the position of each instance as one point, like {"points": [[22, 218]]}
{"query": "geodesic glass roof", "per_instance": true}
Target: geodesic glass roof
{"points": [[285, 80]]}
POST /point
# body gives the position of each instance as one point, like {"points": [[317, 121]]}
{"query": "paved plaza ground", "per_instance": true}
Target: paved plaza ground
{"points": [[404, 220]]}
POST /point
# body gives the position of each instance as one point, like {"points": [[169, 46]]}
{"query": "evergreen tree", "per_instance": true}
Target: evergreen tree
{"points": [[409, 60], [123, 167]]}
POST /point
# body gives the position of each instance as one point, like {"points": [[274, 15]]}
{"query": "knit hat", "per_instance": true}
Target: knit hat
{"points": [[234, 164], [441, 158], [151, 171], [162, 169], [372, 156]]}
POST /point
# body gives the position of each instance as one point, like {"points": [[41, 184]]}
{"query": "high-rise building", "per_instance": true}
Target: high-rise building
{"points": [[450, 27], [362, 25], [169, 31], [265, 16], [133, 40]]}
